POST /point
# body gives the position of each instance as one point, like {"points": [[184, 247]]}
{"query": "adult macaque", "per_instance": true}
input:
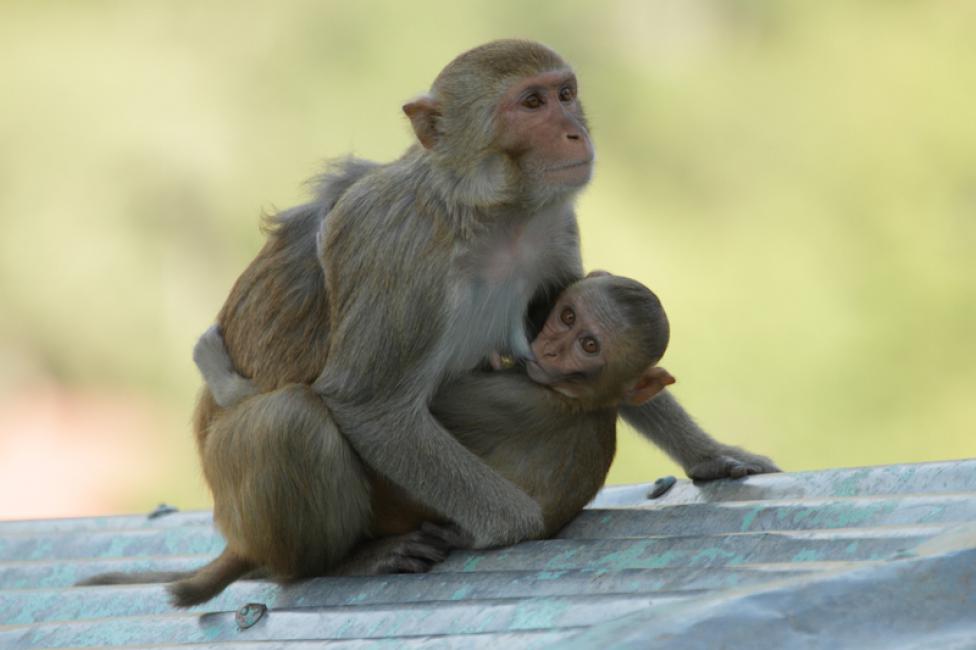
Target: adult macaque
{"points": [[401, 277], [549, 428], [405, 275]]}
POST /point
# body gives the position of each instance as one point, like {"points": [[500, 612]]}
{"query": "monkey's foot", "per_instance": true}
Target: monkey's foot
{"points": [[731, 462], [414, 552]]}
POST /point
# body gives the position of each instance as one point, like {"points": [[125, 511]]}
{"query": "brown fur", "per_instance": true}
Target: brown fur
{"points": [[397, 280], [358, 283], [557, 449]]}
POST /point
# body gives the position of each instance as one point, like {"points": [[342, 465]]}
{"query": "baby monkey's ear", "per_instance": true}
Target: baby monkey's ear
{"points": [[650, 383]]}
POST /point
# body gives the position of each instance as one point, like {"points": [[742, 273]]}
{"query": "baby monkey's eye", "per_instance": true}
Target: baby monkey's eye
{"points": [[590, 345], [566, 94], [567, 316], [532, 101]]}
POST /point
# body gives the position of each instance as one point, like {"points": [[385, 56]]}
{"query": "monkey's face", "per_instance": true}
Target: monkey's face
{"points": [[541, 124], [573, 348]]}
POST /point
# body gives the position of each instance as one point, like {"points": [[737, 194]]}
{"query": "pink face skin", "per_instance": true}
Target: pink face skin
{"points": [[573, 345], [542, 121]]}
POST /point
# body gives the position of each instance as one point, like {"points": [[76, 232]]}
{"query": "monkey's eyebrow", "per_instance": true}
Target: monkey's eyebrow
{"points": [[536, 88], [569, 79], [532, 90]]}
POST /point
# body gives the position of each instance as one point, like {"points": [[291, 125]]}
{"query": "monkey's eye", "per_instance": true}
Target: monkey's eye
{"points": [[590, 345], [567, 316], [567, 94], [532, 101]]}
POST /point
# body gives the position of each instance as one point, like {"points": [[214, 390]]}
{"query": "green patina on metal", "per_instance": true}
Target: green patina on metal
{"points": [[562, 560], [749, 517], [472, 563], [800, 515], [851, 516], [42, 549], [708, 557], [358, 598], [808, 555], [632, 556], [934, 513], [850, 485]]}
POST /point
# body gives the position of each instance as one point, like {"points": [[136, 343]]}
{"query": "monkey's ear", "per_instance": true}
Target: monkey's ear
{"points": [[598, 273], [423, 113], [652, 382]]}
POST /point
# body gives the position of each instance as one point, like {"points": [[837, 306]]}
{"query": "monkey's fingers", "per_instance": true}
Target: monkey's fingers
{"points": [[449, 534], [420, 550], [729, 466]]}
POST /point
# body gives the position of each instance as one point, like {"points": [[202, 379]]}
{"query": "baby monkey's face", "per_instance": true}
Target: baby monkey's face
{"points": [[574, 344], [586, 351]]}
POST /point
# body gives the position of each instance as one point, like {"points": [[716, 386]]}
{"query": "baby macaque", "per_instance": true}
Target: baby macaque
{"points": [[548, 427]]}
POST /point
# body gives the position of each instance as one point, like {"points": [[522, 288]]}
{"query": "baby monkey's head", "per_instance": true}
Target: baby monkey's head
{"points": [[602, 341]]}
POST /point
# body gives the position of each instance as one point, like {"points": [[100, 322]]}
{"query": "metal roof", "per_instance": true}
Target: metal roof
{"points": [[872, 557]]}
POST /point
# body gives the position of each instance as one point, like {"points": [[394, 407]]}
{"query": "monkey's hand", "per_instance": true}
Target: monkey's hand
{"points": [[500, 361], [731, 462]]}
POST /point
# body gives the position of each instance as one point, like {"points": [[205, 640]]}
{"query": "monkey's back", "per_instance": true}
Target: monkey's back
{"points": [[275, 322]]}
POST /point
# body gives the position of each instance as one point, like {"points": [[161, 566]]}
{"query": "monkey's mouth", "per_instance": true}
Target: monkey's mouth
{"points": [[573, 165], [536, 373]]}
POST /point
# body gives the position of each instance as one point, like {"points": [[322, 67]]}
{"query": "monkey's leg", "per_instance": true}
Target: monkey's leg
{"points": [[665, 423], [290, 494]]}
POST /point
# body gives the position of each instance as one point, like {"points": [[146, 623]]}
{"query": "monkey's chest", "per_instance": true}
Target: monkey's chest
{"points": [[488, 316], [496, 282], [510, 261]]}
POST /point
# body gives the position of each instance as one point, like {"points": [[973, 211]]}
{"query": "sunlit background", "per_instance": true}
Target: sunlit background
{"points": [[796, 180]]}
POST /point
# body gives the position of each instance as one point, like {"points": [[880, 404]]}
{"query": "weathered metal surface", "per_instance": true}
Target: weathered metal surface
{"points": [[817, 559], [921, 602]]}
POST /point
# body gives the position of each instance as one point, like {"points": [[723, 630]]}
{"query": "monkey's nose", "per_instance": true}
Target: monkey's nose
{"points": [[550, 351], [573, 136]]}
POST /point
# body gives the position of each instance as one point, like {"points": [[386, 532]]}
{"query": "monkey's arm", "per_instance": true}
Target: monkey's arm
{"points": [[410, 448], [664, 422], [388, 354]]}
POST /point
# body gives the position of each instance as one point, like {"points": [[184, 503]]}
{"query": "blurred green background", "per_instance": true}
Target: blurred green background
{"points": [[797, 181]]}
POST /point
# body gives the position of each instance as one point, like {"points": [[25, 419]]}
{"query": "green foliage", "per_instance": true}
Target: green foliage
{"points": [[796, 180]]}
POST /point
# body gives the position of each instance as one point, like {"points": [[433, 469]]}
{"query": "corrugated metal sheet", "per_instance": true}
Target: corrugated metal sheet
{"points": [[873, 557]]}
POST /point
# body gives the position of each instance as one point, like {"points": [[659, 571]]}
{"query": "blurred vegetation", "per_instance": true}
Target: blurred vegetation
{"points": [[797, 181]]}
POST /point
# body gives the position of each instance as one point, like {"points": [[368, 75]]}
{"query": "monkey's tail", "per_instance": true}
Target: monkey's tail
{"points": [[138, 578], [209, 580]]}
